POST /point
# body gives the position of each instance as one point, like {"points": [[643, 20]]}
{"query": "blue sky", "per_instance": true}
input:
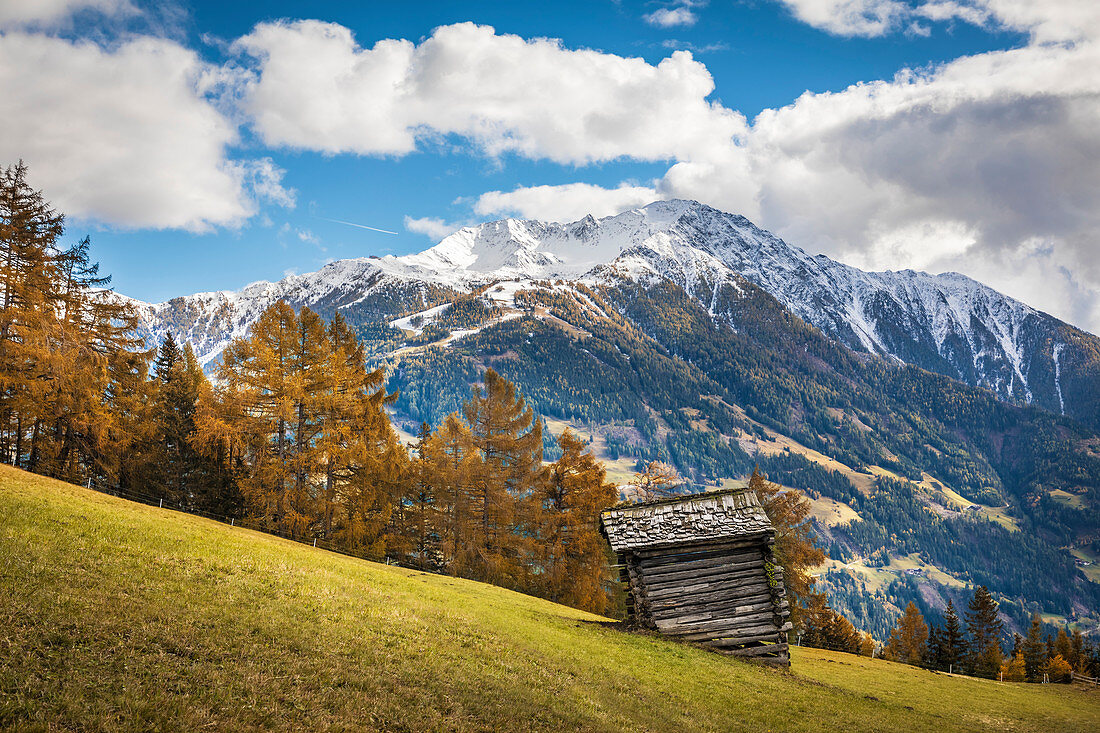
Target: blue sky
{"points": [[224, 172]]}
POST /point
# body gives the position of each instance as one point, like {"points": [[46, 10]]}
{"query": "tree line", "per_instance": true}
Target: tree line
{"points": [[293, 434], [977, 649]]}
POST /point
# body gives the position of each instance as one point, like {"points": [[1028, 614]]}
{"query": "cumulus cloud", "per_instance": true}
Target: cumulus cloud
{"points": [[986, 165], [565, 203], [432, 227], [671, 17], [850, 17], [1046, 21], [23, 13], [317, 89], [126, 135]]}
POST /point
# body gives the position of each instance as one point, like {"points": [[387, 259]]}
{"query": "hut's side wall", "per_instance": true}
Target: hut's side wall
{"points": [[726, 595]]}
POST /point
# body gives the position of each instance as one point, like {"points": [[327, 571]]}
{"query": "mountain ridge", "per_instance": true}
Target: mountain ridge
{"points": [[947, 323]]}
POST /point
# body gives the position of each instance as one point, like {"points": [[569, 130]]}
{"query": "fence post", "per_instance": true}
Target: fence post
{"points": [[161, 504], [314, 541], [232, 520]]}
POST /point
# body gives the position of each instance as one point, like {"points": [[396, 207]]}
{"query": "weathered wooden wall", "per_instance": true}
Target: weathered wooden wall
{"points": [[728, 596]]}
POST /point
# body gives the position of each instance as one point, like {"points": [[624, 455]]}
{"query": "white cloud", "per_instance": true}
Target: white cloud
{"points": [[50, 12], [126, 135], [265, 180], [671, 17], [565, 203], [986, 165], [850, 17], [1044, 20], [432, 227], [318, 90]]}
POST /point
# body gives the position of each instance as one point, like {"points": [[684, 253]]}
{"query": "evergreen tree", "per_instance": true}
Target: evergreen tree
{"points": [[1033, 650], [953, 644], [984, 626]]}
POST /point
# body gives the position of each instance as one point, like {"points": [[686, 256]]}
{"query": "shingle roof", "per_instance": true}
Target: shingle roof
{"points": [[710, 516]]}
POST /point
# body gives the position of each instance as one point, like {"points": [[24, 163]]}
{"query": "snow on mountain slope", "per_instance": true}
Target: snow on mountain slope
{"points": [[946, 323]]}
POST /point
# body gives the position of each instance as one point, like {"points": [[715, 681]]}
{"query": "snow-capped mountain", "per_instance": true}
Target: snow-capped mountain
{"points": [[946, 323]]}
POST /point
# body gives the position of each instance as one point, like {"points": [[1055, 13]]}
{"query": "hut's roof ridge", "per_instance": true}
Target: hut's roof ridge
{"points": [[691, 518], [680, 498]]}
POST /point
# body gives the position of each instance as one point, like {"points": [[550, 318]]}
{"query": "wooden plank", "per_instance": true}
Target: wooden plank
{"points": [[745, 596], [768, 630], [674, 573], [739, 589], [729, 621], [725, 643], [749, 540], [757, 651], [678, 557], [702, 564], [730, 582], [722, 627], [716, 610]]}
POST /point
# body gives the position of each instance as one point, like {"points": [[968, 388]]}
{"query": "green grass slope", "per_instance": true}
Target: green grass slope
{"points": [[118, 616]]}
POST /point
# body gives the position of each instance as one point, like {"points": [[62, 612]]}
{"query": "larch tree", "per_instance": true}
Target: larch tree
{"points": [[659, 480], [572, 557], [450, 461], [909, 639], [789, 512], [508, 441]]}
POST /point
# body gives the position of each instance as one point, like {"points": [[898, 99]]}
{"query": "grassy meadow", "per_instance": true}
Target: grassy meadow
{"points": [[119, 616]]}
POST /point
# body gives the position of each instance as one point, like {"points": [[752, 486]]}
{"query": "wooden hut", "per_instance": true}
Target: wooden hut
{"points": [[700, 568]]}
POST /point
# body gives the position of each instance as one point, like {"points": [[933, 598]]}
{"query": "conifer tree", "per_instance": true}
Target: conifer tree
{"points": [[953, 647], [508, 441], [450, 461], [572, 559], [1063, 646], [789, 512], [984, 626], [1013, 669], [418, 530], [909, 640], [1034, 652], [659, 480]]}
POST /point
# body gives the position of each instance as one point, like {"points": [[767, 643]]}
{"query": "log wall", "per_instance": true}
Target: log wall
{"points": [[726, 595]]}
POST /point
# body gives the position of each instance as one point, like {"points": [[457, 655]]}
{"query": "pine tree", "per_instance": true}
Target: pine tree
{"points": [[909, 640], [984, 626], [953, 644], [1034, 652]]}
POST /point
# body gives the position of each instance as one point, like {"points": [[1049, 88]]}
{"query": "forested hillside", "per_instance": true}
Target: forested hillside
{"points": [[921, 486], [647, 372]]}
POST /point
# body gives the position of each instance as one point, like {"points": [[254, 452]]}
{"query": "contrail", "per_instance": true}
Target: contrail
{"points": [[353, 224]]}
